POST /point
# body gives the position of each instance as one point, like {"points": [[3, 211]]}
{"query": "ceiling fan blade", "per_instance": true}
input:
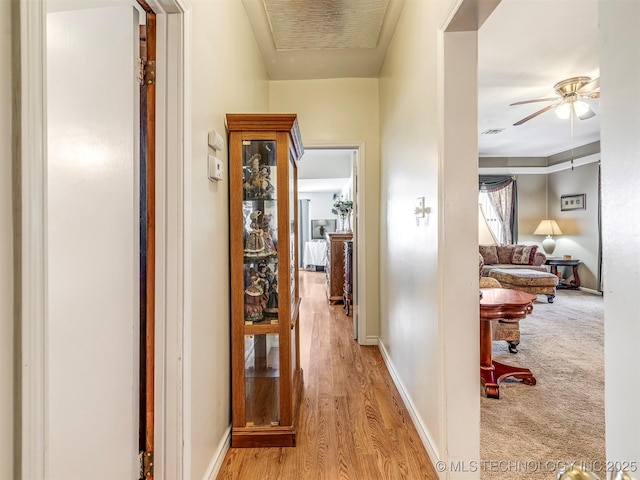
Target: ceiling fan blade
{"points": [[588, 114], [592, 85], [535, 114], [532, 101], [594, 95]]}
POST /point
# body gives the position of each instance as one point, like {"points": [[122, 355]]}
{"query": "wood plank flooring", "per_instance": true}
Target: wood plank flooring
{"points": [[352, 424]]}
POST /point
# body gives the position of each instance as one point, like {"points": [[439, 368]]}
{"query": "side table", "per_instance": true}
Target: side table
{"points": [[554, 263], [507, 305]]}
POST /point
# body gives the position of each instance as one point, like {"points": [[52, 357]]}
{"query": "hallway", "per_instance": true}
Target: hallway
{"points": [[352, 423]]}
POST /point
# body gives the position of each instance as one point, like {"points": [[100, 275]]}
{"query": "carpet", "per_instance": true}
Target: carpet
{"points": [[532, 431]]}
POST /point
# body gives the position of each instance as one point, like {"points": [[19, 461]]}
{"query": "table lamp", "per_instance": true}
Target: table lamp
{"points": [[548, 228]]}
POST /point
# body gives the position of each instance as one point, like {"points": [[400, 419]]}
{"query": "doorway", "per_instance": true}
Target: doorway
{"points": [[327, 174]]}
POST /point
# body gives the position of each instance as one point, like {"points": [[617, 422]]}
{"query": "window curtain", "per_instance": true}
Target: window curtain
{"points": [[503, 194]]}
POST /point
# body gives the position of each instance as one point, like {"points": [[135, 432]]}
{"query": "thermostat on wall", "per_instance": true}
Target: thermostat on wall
{"points": [[215, 168]]}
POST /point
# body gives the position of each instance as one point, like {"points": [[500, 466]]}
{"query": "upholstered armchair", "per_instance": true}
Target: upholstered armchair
{"points": [[509, 332]]}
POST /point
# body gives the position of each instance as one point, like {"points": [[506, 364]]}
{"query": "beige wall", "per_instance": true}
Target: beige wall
{"points": [[579, 227], [532, 207], [419, 319], [228, 76], [335, 112], [6, 248]]}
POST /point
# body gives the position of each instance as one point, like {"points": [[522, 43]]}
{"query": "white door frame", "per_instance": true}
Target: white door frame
{"points": [[360, 221], [173, 237]]}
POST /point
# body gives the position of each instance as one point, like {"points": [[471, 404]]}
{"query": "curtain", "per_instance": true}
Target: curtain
{"points": [[303, 227], [503, 195]]}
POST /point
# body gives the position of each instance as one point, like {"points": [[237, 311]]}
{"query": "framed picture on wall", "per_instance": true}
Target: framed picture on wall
{"points": [[573, 202], [321, 226]]}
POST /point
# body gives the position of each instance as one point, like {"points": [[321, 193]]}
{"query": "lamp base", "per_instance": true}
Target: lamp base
{"points": [[548, 245]]}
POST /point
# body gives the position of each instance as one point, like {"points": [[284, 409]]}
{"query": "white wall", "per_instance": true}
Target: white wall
{"points": [[620, 123], [335, 112], [579, 227], [6, 249], [420, 320], [320, 205], [228, 76]]}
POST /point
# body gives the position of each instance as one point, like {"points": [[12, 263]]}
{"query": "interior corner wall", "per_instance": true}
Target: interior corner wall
{"points": [[335, 112], [619, 42], [532, 207], [412, 322], [6, 247], [227, 76], [579, 237]]}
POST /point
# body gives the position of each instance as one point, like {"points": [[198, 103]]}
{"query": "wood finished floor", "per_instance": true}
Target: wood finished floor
{"points": [[352, 424]]}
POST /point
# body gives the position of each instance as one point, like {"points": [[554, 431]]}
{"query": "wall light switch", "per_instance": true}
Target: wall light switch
{"points": [[215, 140], [215, 169]]}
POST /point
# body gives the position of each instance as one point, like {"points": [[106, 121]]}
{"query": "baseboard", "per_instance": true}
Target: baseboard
{"points": [[589, 290], [370, 340], [423, 431], [218, 457]]}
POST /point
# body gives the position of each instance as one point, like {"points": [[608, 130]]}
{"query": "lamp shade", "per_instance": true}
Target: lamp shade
{"points": [[485, 235], [548, 227]]}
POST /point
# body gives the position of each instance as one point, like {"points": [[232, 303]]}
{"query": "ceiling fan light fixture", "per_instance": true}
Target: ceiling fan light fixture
{"points": [[564, 111], [580, 107]]}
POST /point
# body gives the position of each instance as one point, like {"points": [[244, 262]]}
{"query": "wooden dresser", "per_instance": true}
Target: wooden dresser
{"points": [[347, 293], [334, 266]]}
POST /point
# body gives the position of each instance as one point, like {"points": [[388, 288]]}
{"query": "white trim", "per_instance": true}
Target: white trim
{"points": [[218, 456], [591, 291], [371, 340], [185, 187], [360, 228], [33, 246], [558, 167], [423, 431]]}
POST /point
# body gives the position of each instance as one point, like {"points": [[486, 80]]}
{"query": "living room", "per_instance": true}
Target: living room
{"points": [[555, 165]]}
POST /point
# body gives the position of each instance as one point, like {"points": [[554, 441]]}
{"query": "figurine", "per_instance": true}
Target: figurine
{"points": [[255, 244], [268, 234], [257, 181], [271, 308], [253, 308]]}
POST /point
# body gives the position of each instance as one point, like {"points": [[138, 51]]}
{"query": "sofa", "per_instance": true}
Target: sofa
{"points": [[519, 267], [511, 256]]}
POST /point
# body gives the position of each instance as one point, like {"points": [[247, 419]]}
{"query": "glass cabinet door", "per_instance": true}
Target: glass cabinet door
{"points": [[260, 235]]}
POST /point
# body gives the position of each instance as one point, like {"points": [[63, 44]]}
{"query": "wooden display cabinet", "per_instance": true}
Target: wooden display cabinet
{"points": [[265, 297]]}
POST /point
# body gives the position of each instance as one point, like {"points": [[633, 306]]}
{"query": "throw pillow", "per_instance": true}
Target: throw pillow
{"points": [[489, 254], [523, 255], [504, 253]]}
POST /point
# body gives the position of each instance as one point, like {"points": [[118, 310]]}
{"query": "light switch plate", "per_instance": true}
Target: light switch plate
{"points": [[215, 140]]}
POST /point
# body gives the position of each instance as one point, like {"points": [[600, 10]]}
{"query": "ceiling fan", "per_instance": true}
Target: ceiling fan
{"points": [[571, 93]]}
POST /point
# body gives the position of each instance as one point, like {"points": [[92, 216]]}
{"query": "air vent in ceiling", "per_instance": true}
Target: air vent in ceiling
{"points": [[493, 131], [324, 24]]}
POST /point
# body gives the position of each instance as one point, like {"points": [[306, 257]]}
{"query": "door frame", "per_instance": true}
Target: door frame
{"points": [[360, 225], [173, 146]]}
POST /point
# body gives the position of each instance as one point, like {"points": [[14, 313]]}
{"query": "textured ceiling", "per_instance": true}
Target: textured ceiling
{"points": [[320, 24], [315, 39]]}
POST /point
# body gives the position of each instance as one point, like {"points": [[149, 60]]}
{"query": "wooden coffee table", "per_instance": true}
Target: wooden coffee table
{"points": [[510, 306]]}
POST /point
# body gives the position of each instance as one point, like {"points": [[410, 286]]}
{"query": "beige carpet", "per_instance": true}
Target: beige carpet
{"points": [[531, 431]]}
